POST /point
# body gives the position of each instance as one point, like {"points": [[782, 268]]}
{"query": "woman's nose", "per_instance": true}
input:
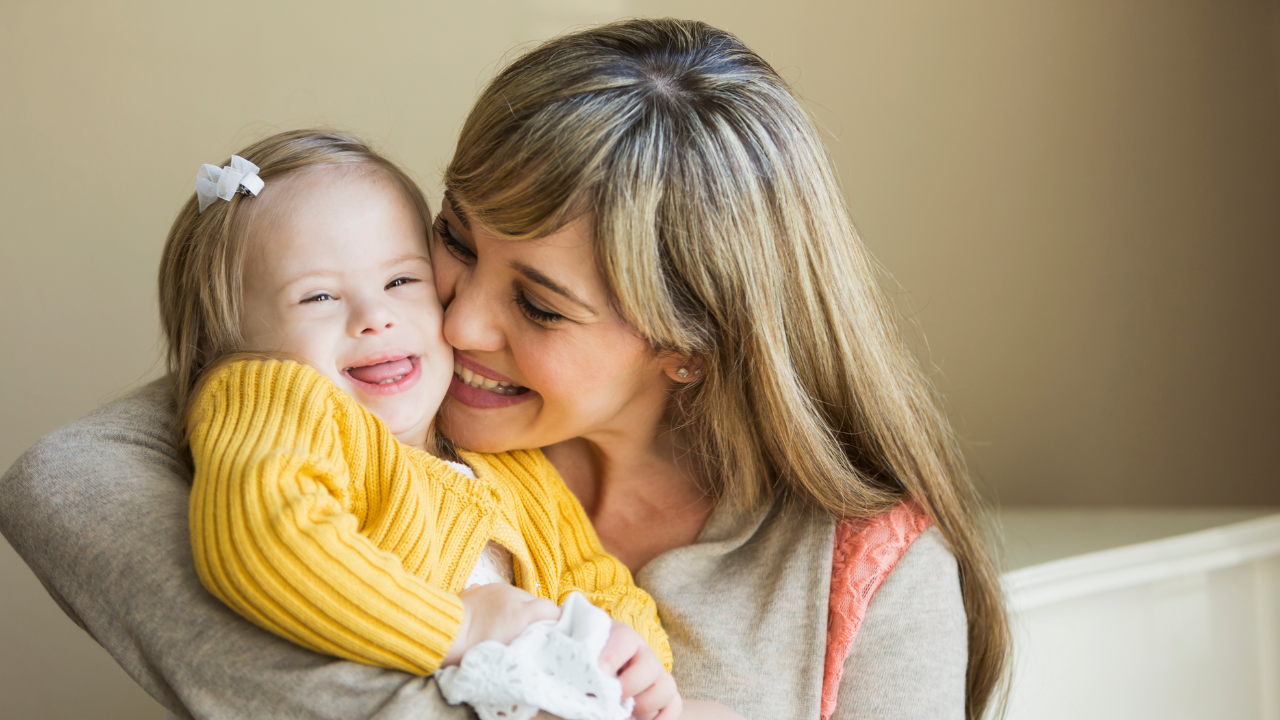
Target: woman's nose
{"points": [[471, 316]]}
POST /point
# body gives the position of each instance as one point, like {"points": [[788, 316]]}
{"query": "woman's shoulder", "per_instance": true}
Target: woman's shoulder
{"points": [[875, 559], [909, 657], [890, 573], [867, 549], [871, 575]]}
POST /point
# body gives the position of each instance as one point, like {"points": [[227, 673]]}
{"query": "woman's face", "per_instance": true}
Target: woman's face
{"points": [[540, 354]]}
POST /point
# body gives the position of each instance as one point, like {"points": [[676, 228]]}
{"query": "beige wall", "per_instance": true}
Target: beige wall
{"points": [[1078, 197]]}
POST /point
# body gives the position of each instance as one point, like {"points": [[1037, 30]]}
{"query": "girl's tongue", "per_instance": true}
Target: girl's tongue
{"points": [[389, 371]]}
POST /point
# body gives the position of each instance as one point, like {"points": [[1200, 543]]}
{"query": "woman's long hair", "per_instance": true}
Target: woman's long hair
{"points": [[722, 231]]}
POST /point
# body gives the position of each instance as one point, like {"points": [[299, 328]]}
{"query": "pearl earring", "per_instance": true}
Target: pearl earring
{"points": [[683, 373]]}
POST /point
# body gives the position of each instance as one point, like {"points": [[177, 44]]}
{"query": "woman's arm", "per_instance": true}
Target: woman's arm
{"points": [[98, 510], [909, 658]]}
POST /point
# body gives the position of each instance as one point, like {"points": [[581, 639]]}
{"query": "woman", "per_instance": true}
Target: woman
{"points": [[643, 233]]}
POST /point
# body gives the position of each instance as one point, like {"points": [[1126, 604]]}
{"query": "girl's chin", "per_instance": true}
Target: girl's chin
{"points": [[402, 424]]}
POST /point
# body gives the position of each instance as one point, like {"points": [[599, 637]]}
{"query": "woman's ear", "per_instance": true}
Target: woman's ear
{"points": [[681, 368]]}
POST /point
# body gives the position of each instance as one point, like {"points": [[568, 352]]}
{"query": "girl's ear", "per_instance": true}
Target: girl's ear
{"points": [[680, 368]]}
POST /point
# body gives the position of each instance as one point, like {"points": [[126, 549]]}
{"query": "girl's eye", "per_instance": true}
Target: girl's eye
{"points": [[318, 297], [401, 281], [451, 241], [536, 313]]}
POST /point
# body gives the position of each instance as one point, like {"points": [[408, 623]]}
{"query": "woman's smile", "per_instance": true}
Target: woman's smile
{"points": [[478, 386]]}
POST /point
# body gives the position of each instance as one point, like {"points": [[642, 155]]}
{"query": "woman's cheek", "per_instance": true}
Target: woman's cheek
{"points": [[445, 273], [580, 373]]}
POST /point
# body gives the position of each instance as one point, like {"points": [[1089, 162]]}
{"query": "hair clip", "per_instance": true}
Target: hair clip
{"points": [[213, 182]]}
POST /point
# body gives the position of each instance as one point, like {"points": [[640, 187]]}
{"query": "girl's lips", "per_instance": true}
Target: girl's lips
{"points": [[484, 399], [380, 371]]}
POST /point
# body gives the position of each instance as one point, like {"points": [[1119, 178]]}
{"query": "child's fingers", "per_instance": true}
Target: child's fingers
{"points": [[641, 675], [658, 695], [539, 609], [672, 710], [621, 647]]}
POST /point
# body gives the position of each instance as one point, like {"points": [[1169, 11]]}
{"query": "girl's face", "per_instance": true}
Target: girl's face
{"points": [[540, 355], [338, 275]]}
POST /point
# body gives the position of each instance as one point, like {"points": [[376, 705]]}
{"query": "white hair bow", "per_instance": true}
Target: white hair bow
{"points": [[213, 182]]}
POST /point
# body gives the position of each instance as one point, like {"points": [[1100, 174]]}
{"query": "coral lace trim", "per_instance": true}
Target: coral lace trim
{"points": [[866, 549]]}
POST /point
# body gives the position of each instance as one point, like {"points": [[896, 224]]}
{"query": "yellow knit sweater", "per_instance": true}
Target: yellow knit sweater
{"points": [[311, 520]]}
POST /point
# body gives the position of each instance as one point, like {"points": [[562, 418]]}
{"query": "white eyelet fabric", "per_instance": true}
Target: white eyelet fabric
{"points": [[552, 666]]}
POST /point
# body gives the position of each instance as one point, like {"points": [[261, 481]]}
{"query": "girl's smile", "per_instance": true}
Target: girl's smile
{"points": [[386, 377]]}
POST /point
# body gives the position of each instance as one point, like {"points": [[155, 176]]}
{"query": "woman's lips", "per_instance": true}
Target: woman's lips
{"points": [[386, 378], [485, 399], [477, 386], [480, 382], [482, 370]]}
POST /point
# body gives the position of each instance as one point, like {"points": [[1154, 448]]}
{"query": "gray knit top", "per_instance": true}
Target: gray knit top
{"points": [[98, 510]]}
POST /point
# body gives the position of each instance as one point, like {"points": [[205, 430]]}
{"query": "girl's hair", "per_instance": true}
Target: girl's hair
{"points": [[723, 234], [202, 267]]}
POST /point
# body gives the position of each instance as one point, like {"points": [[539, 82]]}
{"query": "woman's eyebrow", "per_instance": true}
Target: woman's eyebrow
{"points": [[535, 275]]}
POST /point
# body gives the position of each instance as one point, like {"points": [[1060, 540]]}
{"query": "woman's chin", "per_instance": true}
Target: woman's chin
{"points": [[474, 432]]}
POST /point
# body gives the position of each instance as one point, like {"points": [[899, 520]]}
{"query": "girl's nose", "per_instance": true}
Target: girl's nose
{"points": [[372, 318], [375, 329]]}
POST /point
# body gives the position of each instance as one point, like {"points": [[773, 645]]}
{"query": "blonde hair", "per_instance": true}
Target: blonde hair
{"points": [[202, 267], [723, 234]]}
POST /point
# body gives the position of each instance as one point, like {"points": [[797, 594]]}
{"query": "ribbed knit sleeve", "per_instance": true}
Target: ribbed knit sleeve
{"points": [[307, 519], [566, 551]]}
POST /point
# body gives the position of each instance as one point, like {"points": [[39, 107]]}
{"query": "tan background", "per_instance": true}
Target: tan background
{"points": [[1078, 198]]}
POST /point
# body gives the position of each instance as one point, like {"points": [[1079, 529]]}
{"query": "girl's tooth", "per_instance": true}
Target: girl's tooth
{"points": [[467, 375], [457, 367], [490, 384]]}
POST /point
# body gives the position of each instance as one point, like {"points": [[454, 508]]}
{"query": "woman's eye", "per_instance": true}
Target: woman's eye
{"points": [[401, 281], [535, 312], [451, 241], [318, 297]]}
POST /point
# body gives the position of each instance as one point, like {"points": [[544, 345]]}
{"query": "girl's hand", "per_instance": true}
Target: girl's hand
{"points": [[496, 612], [641, 675]]}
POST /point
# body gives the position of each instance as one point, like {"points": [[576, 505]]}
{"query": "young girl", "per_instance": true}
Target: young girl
{"points": [[316, 510]]}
